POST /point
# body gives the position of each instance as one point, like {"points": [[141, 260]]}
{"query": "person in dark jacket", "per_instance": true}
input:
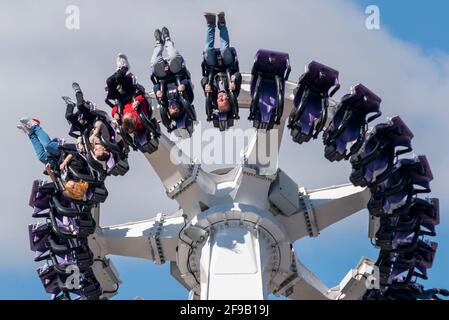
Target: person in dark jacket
{"points": [[84, 116], [172, 85]]}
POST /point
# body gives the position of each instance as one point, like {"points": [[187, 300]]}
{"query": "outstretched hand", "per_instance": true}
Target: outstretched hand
{"points": [[181, 88], [62, 166], [159, 94], [232, 86], [136, 104], [50, 172], [207, 88]]}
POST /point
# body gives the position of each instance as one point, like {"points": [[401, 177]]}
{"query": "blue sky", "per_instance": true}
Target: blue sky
{"points": [[424, 25]]}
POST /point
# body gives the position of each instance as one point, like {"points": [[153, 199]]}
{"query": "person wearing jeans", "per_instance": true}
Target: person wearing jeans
{"points": [[47, 150], [211, 58], [219, 86]]}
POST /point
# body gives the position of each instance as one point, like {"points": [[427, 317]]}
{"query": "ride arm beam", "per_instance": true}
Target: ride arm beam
{"points": [[155, 239], [169, 162], [305, 285], [330, 205], [319, 209]]}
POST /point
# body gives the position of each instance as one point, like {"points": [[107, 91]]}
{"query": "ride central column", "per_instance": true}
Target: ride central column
{"points": [[235, 263]]}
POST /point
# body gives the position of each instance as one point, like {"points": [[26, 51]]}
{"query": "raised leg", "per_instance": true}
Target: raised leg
{"points": [[157, 62], [175, 60]]}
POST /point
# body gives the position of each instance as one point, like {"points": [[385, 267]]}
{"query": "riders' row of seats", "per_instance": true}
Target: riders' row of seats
{"points": [[344, 125], [375, 156], [270, 71], [405, 221], [60, 238], [61, 241]]}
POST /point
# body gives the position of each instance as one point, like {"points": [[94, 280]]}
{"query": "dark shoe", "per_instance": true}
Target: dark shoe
{"points": [[221, 19], [158, 36], [165, 34], [210, 18], [78, 93], [76, 87]]}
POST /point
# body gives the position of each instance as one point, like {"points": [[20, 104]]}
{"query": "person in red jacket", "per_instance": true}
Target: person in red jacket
{"points": [[130, 118]]}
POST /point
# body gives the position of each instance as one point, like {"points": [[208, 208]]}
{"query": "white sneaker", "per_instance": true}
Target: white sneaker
{"points": [[29, 123], [68, 100], [122, 61], [23, 128]]}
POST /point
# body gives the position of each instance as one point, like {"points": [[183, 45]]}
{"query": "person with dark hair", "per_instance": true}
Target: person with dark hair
{"points": [[130, 119], [84, 116], [220, 84], [170, 77], [129, 98]]}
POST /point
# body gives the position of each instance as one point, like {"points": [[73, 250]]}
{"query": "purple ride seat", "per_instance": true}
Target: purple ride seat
{"points": [[184, 126], [269, 73], [373, 164], [47, 245], [73, 131], [55, 284], [349, 124], [40, 196], [425, 212], [408, 178], [117, 164], [38, 235], [311, 101], [420, 259], [407, 292], [221, 120], [146, 143], [72, 227], [429, 213]]}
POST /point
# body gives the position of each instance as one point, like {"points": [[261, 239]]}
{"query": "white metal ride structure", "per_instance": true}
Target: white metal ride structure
{"points": [[233, 236]]}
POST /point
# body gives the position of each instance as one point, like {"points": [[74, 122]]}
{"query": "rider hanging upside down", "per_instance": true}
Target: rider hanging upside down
{"points": [[85, 118], [172, 85], [49, 153], [129, 97], [121, 85], [131, 122], [221, 77], [131, 109]]}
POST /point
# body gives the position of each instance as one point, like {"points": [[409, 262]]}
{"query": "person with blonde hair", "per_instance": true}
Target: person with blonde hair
{"points": [[49, 153], [76, 190]]}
